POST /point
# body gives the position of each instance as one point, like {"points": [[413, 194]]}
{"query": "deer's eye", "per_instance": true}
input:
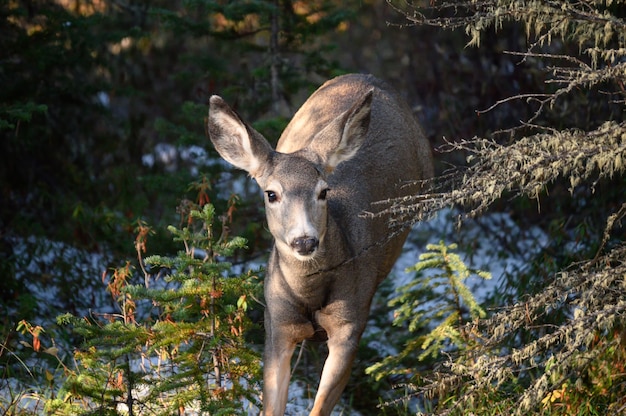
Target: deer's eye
{"points": [[271, 196], [322, 195]]}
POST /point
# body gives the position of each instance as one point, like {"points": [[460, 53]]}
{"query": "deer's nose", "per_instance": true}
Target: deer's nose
{"points": [[305, 245]]}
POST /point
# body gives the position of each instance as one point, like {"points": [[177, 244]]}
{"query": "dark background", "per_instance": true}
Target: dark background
{"points": [[89, 88]]}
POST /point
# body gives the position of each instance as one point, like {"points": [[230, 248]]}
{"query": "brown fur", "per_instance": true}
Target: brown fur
{"points": [[355, 137]]}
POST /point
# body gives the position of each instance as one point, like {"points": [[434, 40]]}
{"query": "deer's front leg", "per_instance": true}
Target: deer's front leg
{"points": [[343, 341], [281, 338], [276, 368]]}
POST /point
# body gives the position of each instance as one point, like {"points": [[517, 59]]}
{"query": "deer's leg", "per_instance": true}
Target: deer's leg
{"points": [[280, 341], [343, 340], [276, 369]]}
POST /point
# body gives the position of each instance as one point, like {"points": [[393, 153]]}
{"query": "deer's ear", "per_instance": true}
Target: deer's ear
{"points": [[342, 138], [238, 143]]}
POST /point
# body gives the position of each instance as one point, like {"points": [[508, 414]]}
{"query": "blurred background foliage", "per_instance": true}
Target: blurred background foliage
{"points": [[102, 105]]}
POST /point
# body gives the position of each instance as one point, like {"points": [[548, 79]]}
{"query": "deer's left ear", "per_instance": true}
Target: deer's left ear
{"points": [[343, 137], [238, 143]]}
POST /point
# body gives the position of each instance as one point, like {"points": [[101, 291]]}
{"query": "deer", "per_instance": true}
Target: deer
{"points": [[353, 142]]}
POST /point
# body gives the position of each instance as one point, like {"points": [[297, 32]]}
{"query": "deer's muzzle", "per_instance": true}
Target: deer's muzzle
{"points": [[305, 245]]}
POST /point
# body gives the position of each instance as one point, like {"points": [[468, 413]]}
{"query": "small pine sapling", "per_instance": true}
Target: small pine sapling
{"points": [[177, 343], [435, 307]]}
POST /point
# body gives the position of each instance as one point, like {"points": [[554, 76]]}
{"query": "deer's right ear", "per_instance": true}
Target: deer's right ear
{"points": [[237, 143], [342, 138]]}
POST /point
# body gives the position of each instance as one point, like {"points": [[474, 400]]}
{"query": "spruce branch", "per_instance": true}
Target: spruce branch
{"points": [[595, 298], [524, 168], [529, 351]]}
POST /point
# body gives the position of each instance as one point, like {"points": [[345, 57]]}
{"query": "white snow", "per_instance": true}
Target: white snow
{"points": [[485, 239]]}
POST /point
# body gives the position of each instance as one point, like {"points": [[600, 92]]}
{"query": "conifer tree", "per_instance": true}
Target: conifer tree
{"points": [[434, 307], [559, 348], [177, 343]]}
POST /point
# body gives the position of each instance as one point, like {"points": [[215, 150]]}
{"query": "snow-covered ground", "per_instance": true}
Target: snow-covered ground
{"points": [[55, 265], [485, 239], [494, 244]]}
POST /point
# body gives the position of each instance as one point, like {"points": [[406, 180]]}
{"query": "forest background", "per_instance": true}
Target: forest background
{"points": [[102, 107]]}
